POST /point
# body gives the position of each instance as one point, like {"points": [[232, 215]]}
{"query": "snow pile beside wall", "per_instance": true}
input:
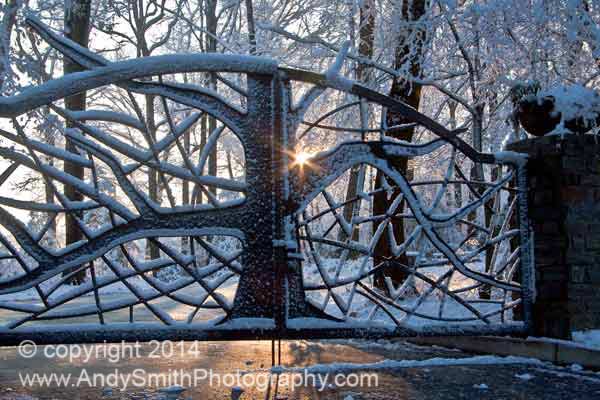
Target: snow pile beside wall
{"points": [[589, 338]]}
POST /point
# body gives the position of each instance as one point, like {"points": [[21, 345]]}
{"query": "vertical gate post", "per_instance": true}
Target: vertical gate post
{"points": [[256, 291], [564, 212], [271, 286]]}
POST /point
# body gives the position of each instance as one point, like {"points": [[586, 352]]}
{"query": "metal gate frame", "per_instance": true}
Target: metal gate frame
{"points": [[271, 292]]}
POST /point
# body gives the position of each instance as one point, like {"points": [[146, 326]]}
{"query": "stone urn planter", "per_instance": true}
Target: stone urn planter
{"points": [[575, 107]]}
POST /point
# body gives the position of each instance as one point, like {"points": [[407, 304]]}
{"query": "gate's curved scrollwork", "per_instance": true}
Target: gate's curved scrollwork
{"points": [[257, 242]]}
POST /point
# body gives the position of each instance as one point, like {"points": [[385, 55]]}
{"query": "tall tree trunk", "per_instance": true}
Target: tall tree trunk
{"points": [[229, 165], [154, 192], [185, 185], [9, 18], [203, 141], [365, 49], [49, 191], [77, 28], [408, 52], [152, 250], [477, 173], [452, 105], [211, 27], [251, 28]]}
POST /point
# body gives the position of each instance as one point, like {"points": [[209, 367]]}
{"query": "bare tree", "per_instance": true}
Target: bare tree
{"points": [[365, 50], [408, 56], [77, 28], [6, 28], [145, 18], [251, 28], [211, 27]]}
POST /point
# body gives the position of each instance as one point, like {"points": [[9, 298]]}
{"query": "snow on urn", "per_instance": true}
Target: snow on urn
{"points": [[558, 110]]}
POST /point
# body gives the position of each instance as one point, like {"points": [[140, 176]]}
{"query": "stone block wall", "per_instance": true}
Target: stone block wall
{"points": [[564, 211]]}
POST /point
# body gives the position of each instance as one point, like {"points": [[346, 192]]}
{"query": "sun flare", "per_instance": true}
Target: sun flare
{"points": [[302, 157]]}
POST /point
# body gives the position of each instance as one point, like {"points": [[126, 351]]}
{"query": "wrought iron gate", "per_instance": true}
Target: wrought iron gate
{"points": [[271, 245]]}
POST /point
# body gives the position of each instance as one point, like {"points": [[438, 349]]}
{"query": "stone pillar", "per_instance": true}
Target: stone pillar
{"points": [[564, 211]]}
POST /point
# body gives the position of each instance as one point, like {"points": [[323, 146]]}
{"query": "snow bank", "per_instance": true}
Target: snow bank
{"points": [[432, 362], [589, 338]]}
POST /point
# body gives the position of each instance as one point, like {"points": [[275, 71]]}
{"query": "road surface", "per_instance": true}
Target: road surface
{"points": [[410, 372]]}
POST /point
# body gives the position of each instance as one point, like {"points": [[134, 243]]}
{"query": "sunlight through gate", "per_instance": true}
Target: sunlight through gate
{"points": [[234, 217]]}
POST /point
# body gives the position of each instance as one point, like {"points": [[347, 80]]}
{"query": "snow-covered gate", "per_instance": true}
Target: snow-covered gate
{"points": [[272, 245]]}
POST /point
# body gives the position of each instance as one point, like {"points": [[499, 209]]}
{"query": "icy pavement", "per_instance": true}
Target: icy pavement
{"points": [[404, 371]]}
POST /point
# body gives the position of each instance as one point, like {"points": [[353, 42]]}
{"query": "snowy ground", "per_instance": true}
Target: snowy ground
{"points": [[431, 306], [589, 338], [117, 293]]}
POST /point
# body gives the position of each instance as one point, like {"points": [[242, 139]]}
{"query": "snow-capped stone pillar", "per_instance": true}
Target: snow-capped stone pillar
{"points": [[564, 212]]}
